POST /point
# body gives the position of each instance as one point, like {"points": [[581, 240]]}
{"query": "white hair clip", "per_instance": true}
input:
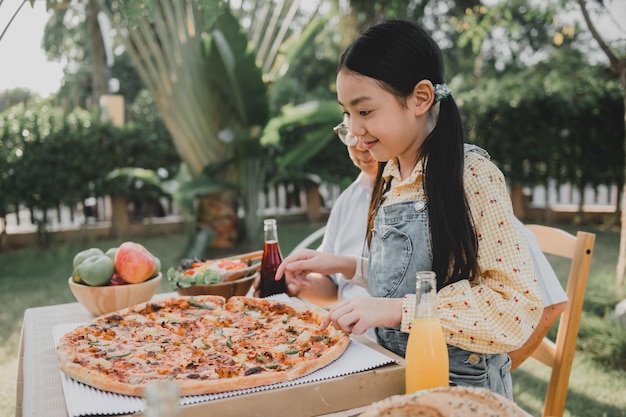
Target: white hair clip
{"points": [[442, 92]]}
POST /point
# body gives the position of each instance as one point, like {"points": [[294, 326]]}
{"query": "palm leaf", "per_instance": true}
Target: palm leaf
{"points": [[198, 80], [324, 112], [292, 49], [234, 71]]}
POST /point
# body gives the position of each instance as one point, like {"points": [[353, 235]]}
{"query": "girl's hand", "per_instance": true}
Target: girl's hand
{"points": [[296, 267], [358, 314], [292, 289]]}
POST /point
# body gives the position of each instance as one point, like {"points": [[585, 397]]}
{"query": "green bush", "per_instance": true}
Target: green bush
{"points": [[48, 158], [539, 124]]}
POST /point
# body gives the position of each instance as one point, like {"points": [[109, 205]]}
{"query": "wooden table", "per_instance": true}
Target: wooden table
{"points": [[40, 393]]}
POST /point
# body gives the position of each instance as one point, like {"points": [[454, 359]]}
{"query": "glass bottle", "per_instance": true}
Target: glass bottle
{"points": [[427, 363], [272, 258], [162, 399]]}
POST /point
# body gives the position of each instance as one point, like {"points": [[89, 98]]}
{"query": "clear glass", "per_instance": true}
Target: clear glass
{"points": [[344, 134], [427, 362], [426, 292], [162, 399]]}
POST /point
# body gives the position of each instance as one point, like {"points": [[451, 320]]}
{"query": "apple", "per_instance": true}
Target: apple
{"points": [[76, 276], [157, 267], [111, 253], [134, 263], [117, 280], [96, 270], [81, 256]]}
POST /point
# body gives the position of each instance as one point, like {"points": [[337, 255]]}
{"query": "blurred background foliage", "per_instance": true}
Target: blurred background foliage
{"points": [[225, 98]]}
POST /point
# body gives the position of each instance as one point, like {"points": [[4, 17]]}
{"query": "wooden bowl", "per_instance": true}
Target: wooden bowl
{"points": [[237, 274], [106, 299], [227, 289]]}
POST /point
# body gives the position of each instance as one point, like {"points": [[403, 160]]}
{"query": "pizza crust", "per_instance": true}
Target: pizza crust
{"points": [[171, 339], [446, 402]]}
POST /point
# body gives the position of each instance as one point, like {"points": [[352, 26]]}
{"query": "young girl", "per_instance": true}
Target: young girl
{"points": [[434, 207]]}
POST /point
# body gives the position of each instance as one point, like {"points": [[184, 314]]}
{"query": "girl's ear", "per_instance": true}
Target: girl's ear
{"points": [[423, 97]]}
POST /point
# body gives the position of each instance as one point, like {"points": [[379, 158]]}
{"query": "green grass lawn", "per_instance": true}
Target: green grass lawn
{"points": [[38, 276]]}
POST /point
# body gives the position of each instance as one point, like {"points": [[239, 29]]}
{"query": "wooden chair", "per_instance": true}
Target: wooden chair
{"points": [[559, 355]]}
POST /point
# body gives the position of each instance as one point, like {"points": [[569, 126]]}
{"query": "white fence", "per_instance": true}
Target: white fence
{"points": [[565, 197], [286, 199], [281, 200]]}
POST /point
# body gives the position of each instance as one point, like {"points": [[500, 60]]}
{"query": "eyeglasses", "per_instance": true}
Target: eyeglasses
{"points": [[344, 134]]}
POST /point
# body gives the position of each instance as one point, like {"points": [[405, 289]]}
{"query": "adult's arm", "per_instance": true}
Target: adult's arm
{"points": [[548, 317], [322, 292]]}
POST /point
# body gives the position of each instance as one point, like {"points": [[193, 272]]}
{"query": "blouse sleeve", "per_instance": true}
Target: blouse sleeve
{"points": [[499, 310]]}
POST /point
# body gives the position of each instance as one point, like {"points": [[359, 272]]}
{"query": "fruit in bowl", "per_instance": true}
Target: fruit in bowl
{"points": [[115, 279], [134, 263], [99, 300], [225, 277]]}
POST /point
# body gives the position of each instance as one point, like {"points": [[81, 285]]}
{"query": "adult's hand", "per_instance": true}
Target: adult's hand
{"points": [[358, 314], [296, 267]]}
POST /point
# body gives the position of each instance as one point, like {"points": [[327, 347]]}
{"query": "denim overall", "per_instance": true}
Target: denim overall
{"points": [[400, 247]]}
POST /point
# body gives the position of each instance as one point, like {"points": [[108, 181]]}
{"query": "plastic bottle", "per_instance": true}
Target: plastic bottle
{"points": [[427, 363], [270, 262]]}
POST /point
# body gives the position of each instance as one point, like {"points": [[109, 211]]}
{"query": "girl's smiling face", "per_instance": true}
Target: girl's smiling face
{"points": [[388, 126]]}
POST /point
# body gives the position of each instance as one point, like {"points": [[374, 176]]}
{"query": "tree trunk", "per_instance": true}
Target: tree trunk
{"points": [[621, 259], [99, 77], [3, 233], [618, 67], [218, 212], [518, 202], [313, 203], [119, 217]]}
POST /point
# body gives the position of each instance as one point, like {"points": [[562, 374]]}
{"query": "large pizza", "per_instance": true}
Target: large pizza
{"points": [[204, 343]]}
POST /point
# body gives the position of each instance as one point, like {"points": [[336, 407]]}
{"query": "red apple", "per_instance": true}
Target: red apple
{"points": [[116, 279], [134, 263]]}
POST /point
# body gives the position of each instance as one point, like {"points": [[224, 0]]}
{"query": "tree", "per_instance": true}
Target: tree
{"points": [[14, 96], [81, 44], [13, 16], [217, 67], [617, 66], [195, 62], [537, 127], [477, 27]]}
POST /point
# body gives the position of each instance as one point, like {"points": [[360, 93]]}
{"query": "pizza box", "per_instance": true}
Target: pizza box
{"points": [[312, 399]]}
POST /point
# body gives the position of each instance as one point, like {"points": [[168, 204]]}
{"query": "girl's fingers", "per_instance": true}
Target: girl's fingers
{"points": [[291, 263], [325, 322]]}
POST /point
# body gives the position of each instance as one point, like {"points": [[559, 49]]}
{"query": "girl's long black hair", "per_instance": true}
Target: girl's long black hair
{"points": [[399, 54]]}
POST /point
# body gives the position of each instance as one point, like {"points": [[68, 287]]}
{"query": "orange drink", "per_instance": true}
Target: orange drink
{"points": [[427, 363]]}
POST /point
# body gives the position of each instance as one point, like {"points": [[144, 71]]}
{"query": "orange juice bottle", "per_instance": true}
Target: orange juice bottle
{"points": [[427, 364]]}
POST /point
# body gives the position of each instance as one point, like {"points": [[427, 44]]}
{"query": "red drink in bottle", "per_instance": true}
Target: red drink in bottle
{"points": [[270, 262]]}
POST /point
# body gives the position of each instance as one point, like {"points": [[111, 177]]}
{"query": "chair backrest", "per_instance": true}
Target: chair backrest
{"points": [[559, 355]]}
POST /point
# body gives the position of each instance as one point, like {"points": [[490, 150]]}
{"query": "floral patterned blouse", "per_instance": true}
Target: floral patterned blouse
{"points": [[499, 311]]}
